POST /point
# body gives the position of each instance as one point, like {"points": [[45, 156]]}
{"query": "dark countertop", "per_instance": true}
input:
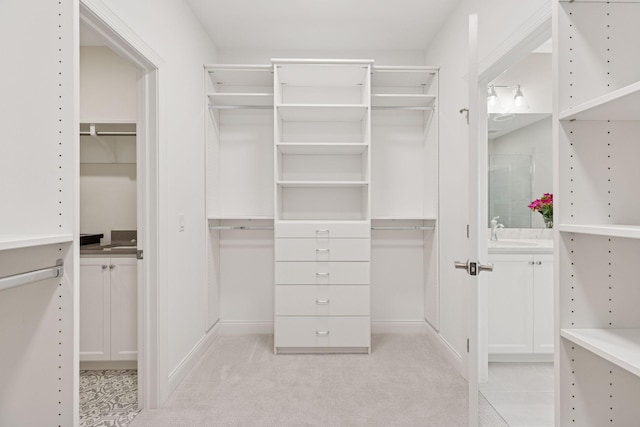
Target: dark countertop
{"points": [[108, 250]]}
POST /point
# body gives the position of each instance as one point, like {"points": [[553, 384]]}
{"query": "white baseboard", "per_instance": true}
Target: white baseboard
{"points": [[186, 365], [448, 352], [399, 327], [245, 327], [526, 357]]}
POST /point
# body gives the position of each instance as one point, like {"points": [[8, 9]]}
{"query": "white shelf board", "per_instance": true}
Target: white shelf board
{"points": [[402, 100], [241, 75], [618, 346], [322, 148], [610, 230], [322, 112], [241, 99], [322, 74], [403, 76], [621, 104], [17, 241], [326, 184], [399, 218], [240, 217]]}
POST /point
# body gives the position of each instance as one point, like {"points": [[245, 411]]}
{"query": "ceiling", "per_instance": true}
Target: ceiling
{"points": [[322, 24]]}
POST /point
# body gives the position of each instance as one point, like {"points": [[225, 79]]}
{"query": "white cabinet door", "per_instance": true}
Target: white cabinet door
{"points": [[94, 309], [124, 308], [543, 304], [510, 304]]}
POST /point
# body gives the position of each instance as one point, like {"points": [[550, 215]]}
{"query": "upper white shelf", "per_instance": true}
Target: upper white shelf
{"points": [[322, 112], [241, 99], [619, 346], [403, 76], [322, 74], [322, 148], [400, 218], [402, 100], [240, 217], [621, 104], [17, 241], [610, 230], [227, 75]]}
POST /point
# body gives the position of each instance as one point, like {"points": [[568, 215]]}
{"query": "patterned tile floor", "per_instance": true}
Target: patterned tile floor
{"points": [[108, 398]]}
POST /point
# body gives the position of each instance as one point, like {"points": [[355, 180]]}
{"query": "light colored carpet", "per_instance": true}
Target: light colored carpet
{"points": [[240, 382], [108, 398]]}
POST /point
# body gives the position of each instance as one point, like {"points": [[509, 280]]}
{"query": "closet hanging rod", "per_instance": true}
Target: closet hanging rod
{"points": [[105, 133], [431, 227], [16, 280], [241, 107]]}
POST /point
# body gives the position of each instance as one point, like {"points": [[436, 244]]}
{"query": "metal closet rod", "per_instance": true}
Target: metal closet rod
{"points": [[242, 227], [21, 279]]}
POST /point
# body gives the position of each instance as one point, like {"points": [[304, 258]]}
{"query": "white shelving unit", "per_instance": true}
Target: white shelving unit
{"points": [[405, 172], [597, 211], [322, 133]]}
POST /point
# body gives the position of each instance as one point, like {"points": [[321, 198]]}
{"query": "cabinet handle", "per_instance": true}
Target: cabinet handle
{"points": [[322, 230], [322, 250], [111, 267], [539, 263], [322, 302], [322, 332], [104, 266], [531, 263], [322, 274]]}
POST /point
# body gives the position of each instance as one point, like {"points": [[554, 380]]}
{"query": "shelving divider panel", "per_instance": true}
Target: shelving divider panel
{"points": [[610, 230], [618, 346]]}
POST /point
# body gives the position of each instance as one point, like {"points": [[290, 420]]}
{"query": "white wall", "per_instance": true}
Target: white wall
{"points": [[534, 140], [108, 91], [498, 20], [171, 29]]}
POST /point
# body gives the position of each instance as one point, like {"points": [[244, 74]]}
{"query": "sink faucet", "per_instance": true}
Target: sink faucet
{"points": [[494, 228]]}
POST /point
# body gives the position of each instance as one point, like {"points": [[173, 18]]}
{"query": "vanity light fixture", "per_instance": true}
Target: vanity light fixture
{"points": [[492, 99], [518, 98]]}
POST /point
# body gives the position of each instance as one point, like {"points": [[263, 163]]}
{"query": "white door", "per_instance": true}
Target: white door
{"points": [[476, 251]]}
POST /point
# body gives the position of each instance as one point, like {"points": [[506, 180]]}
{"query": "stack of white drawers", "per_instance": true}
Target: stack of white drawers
{"points": [[322, 293]]}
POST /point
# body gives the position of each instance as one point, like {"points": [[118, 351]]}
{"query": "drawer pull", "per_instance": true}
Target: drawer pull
{"points": [[322, 230], [322, 250], [322, 274], [322, 332], [322, 302]]}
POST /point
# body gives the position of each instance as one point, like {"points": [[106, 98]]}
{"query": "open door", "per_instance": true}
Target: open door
{"points": [[476, 250]]}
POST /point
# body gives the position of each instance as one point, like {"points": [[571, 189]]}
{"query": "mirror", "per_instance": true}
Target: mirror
{"points": [[520, 140]]}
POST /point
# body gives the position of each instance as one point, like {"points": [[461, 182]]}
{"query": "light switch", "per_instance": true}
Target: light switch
{"points": [[180, 222]]}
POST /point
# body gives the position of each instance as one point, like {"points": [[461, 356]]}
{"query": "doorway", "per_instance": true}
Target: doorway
{"points": [[142, 265], [516, 300]]}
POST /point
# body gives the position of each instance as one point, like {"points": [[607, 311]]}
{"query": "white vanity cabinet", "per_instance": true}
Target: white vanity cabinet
{"points": [[108, 309], [521, 303]]}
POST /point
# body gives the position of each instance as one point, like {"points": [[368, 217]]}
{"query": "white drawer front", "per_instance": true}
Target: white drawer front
{"points": [[322, 273], [323, 230], [322, 332], [322, 300], [323, 249]]}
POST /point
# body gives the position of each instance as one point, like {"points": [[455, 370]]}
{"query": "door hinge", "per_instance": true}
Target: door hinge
{"points": [[467, 345], [467, 231]]}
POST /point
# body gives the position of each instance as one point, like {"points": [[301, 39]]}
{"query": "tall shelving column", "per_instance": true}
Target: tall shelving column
{"points": [[239, 132], [597, 121], [322, 205]]}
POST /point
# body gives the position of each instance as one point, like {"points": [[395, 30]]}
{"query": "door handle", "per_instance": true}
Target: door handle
{"points": [[473, 268]]}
